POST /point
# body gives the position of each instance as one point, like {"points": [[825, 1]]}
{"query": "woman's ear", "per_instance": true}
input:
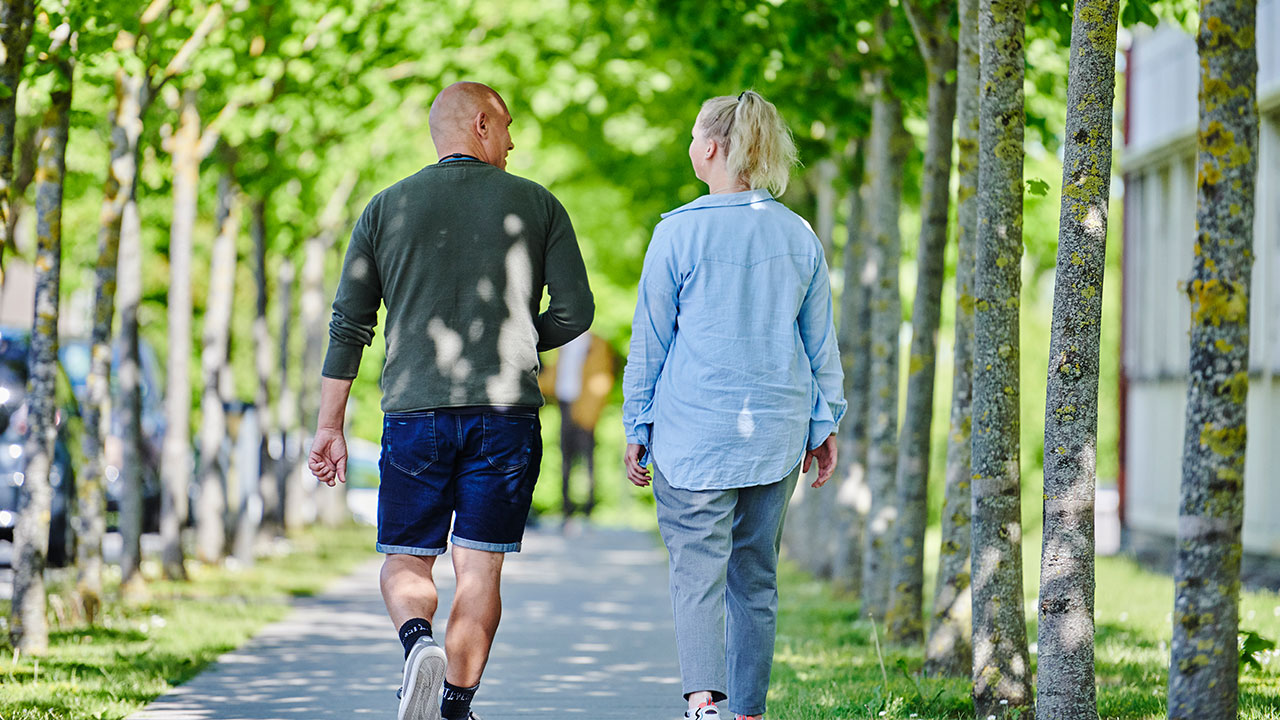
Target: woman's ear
{"points": [[712, 148]]}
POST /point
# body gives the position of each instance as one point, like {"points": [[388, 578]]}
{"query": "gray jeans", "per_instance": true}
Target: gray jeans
{"points": [[724, 562]]}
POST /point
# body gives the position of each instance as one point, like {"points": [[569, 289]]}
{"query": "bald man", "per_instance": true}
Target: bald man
{"points": [[459, 253]]}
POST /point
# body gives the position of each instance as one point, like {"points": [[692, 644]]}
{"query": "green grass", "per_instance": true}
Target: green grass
{"points": [[143, 646], [826, 666]]}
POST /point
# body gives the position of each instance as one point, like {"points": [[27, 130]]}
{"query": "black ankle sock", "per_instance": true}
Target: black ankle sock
{"points": [[456, 704], [411, 631]]}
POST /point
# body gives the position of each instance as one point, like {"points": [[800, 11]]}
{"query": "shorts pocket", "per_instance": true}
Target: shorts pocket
{"points": [[410, 443], [508, 440]]}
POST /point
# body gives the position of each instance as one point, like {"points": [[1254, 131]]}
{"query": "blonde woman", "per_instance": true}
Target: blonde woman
{"points": [[732, 383]]}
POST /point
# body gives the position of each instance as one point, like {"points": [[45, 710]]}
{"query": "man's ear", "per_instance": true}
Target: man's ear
{"points": [[481, 124]]}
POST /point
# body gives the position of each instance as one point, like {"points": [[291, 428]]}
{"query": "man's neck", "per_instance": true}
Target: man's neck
{"points": [[456, 151]]}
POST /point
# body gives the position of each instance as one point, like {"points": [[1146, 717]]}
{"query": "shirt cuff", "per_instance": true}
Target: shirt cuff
{"points": [[819, 431], [640, 434]]}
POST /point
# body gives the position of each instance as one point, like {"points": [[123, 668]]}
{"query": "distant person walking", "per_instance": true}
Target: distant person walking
{"points": [[580, 378], [459, 253], [733, 379]]}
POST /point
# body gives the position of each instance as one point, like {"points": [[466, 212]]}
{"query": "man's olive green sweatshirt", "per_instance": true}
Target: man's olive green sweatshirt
{"points": [[459, 253]]}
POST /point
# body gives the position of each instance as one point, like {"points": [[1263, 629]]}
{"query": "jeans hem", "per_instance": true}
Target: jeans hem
{"points": [[486, 546], [716, 695], [409, 550]]}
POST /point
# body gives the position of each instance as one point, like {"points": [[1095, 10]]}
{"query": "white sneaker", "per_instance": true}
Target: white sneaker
{"points": [[423, 681], [706, 712]]}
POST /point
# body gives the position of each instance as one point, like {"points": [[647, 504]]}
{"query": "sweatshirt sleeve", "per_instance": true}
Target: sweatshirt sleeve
{"points": [[818, 333], [355, 307], [572, 306]]}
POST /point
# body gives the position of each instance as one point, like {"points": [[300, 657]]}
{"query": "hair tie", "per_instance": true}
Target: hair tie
{"points": [[744, 92]]}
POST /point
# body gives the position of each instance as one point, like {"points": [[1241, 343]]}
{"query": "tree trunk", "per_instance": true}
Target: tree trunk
{"points": [[948, 651], [904, 619], [211, 530], [1066, 686], [15, 34], [822, 534], [264, 363], [28, 627], [314, 329], [1001, 666], [134, 456], [175, 470], [853, 499], [331, 504], [296, 510], [1203, 672], [91, 484], [886, 156]]}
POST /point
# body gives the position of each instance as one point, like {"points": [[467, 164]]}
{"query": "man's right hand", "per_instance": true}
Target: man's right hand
{"points": [[328, 459]]}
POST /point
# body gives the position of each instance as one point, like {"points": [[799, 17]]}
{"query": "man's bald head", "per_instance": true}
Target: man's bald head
{"points": [[471, 118]]}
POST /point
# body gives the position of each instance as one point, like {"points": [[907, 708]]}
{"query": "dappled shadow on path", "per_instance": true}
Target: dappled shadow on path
{"points": [[586, 628]]}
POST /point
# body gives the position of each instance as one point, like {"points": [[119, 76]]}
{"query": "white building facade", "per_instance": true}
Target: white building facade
{"points": [[1159, 230]]}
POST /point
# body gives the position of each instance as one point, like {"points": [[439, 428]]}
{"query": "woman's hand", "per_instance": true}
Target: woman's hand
{"points": [[636, 473], [826, 455]]}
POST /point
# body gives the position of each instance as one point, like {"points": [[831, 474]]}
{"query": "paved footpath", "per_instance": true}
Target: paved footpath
{"points": [[586, 630]]}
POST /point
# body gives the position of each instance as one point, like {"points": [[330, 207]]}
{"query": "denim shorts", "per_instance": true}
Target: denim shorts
{"points": [[475, 470]]}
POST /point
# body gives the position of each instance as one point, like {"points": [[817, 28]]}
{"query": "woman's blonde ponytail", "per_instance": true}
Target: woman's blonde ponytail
{"points": [[759, 147]]}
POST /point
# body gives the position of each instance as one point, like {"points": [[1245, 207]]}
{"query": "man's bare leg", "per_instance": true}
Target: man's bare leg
{"points": [[473, 618], [408, 588]]}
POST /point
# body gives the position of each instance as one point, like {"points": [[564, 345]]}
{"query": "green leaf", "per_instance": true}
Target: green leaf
{"points": [[1036, 186], [1251, 643]]}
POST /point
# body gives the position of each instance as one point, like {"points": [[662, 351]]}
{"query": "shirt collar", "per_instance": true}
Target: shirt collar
{"points": [[724, 200]]}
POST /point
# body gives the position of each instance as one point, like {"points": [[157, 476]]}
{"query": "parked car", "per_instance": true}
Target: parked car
{"points": [[76, 356], [14, 374]]}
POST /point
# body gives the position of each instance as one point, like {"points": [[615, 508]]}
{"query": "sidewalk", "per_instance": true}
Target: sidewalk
{"points": [[586, 628]]}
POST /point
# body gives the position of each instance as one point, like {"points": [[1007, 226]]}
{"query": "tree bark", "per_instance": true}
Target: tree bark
{"points": [[905, 617], [91, 484], [331, 503], [296, 510], [887, 153], [823, 519], [264, 363], [314, 330], [28, 627], [1203, 672], [948, 650], [1001, 666], [211, 530], [16, 18], [175, 469], [133, 454], [853, 500], [1066, 687]]}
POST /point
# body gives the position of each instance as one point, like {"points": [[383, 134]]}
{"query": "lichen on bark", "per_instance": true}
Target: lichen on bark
{"points": [[1066, 632], [1203, 672], [905, 616], [1002, 668], [948, 650], [887, 152]]}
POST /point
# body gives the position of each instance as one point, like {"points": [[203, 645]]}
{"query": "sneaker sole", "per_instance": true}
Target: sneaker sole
{"points": [[423, 680]]}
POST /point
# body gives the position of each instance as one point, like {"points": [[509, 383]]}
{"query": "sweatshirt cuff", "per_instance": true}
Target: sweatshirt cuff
{"points": [[342, 361]]}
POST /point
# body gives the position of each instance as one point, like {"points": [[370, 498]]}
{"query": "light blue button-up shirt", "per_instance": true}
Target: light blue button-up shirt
{"points": [[733, 369]]}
